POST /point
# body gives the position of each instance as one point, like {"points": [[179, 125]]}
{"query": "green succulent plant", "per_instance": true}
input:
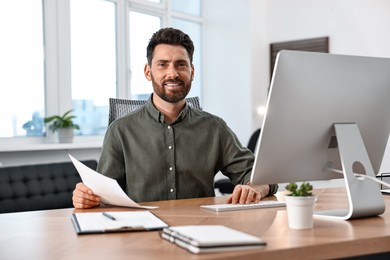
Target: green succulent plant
{"points": [[64, 121], [302, 190]]}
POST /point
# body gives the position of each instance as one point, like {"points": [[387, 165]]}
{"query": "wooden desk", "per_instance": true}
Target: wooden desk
{"points": [[50, 234]]}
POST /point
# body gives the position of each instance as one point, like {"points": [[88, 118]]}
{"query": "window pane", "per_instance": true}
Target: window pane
{"points": [[194, 31], [142, 26], [192, 7], [93, 63], [22, 68]]}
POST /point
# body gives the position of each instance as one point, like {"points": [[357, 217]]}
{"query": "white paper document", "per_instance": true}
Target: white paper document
{"points": [[97, 222], [107, 188]]}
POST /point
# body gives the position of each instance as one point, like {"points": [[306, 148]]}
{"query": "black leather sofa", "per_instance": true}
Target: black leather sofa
{"points": [[38, 187]]}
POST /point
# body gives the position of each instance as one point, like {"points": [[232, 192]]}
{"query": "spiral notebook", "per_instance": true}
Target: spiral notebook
{"points": [[210, 238]]}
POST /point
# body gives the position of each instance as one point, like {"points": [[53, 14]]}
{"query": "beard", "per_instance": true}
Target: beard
{"points": [[171, 96]]}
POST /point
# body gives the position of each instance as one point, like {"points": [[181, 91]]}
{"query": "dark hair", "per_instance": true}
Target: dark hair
{"points": [[169, 36]]}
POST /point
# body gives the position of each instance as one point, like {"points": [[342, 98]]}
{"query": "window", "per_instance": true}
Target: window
{"points": [[93, 63], [186, 16], [22, 68], [139, 37], [194, 31], [192, 7], [70, 54]]}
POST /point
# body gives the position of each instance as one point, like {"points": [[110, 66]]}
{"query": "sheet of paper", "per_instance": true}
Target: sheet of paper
{"points": [[107, 188]]}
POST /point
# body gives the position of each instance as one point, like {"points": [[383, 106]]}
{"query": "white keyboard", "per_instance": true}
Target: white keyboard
{"points": [[231, 207]]}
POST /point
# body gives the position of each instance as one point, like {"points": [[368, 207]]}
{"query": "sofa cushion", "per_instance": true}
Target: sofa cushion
{"points": [[39, 187]]}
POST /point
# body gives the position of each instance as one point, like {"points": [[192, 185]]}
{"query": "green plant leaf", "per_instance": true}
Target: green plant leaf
{"points": [[305, 189]]}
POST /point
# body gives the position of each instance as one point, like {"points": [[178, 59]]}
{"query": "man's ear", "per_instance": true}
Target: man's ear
{"points": [[147, 72]]}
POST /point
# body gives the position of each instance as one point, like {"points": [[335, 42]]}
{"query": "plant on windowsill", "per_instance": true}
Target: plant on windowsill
{"points": [[300, 205], [63, 125]]}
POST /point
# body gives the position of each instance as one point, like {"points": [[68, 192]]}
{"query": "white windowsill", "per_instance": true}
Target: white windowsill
{"points": [[53, 146], [78, 143]]}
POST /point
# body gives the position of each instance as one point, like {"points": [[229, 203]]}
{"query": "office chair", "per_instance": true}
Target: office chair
{"points": [[120, 107], [253, 140], [225, 186]]}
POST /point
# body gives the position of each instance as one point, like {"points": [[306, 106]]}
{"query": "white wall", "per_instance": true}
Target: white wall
{"points": [[238, 34], [357, 27], [226, 70]]}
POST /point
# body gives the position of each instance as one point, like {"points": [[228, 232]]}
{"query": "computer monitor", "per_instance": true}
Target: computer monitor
{"points": [[325, 114]]}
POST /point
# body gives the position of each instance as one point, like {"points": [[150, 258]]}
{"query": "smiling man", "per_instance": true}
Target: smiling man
{"points": [[166, 149]]}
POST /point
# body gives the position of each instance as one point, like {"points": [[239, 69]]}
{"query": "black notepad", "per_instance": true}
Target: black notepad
{"points": [[98, 222], [210, 238]]}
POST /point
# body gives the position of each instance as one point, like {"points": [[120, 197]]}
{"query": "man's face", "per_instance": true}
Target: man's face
{"points": [[171, 72]]}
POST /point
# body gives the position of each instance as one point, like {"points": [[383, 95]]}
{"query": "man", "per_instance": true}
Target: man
{"points": [[166, 149]]}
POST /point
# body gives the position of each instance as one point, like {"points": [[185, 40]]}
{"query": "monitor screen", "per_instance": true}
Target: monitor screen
{"points": [[309, 93]]}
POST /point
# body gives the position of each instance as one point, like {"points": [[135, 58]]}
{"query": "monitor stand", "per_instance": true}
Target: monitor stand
{"points": [[364, 196]]}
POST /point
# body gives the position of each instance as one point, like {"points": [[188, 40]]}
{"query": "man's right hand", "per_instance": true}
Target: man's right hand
{"points": [[83, 197]]}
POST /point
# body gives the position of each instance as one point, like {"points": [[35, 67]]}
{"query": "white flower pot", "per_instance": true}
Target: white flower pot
{"points": [[300, 211], [65, 135]]}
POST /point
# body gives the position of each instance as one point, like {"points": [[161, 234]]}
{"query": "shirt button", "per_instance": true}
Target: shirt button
{"points": [[169, 147], [170, 168], [169, 127], [171, 190]]}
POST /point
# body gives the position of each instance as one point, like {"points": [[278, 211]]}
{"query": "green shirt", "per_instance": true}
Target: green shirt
{"points": [[152, 160]]}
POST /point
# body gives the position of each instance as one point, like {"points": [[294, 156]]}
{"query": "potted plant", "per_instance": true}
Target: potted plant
{"points": [[300, 205], [63, 125]]}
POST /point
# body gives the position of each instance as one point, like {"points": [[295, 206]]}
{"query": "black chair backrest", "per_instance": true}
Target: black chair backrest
{"points": [[253, 140], [121, 107]]}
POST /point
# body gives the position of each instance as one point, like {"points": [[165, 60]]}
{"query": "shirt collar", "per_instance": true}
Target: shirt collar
{"points": [[159, 117]]}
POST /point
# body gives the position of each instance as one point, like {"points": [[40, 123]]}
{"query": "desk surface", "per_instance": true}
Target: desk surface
{"points": [[50, 234]]}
